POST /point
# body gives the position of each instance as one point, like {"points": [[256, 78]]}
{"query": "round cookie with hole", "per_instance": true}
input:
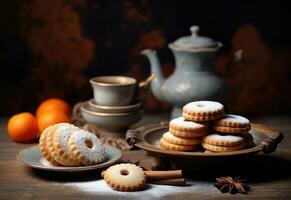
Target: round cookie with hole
{"points": [[125, 177], [87, 148], [203, 111]]}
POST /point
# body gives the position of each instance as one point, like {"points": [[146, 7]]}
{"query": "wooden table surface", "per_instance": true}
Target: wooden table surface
{"points": [[268, 175]]}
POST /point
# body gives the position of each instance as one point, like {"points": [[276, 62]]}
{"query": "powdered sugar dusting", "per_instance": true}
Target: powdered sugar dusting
{"points": [[96, 153], [203, 106], [181, 122], [100, 189], [64, 131], [234, 119], [224, 138]]}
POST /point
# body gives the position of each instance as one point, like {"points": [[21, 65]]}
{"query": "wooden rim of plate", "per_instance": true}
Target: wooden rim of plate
{"points": [[268, 145], [39, 165]]}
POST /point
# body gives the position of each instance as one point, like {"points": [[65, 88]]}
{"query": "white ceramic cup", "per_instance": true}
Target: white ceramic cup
{"points": [[114, 90]]}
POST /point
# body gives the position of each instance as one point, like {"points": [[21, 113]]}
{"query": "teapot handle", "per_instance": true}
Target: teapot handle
{"points": [[145, 83]]}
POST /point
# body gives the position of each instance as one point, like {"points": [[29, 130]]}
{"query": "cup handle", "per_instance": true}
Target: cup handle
{"points": [[145, 83]]}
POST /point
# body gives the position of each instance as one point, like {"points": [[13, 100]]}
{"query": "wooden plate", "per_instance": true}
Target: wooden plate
{"points": [[147, 137], [32, 157]]}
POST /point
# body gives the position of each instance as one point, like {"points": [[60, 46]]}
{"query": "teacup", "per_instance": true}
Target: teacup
{"points": [[114, 90]]}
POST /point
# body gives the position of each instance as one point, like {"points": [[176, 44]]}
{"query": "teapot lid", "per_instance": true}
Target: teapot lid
{"points": [[195, 42]]}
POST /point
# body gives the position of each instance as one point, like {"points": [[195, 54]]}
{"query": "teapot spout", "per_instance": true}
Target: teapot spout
{"points": [[158, 81]]}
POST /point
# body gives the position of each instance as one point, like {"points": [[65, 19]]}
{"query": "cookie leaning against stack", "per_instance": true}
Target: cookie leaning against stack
{"points": [[67, 145]]}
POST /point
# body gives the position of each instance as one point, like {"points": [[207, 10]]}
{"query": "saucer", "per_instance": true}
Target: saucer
{"points": [[33, 158], [113, 124], [114, 109]]}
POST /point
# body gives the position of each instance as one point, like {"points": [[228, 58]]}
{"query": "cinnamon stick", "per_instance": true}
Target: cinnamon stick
{"points": [[164, 174], [172, 181]]}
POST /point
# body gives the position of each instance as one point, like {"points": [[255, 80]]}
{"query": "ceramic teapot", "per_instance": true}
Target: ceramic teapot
{"points": [[193, 78]]}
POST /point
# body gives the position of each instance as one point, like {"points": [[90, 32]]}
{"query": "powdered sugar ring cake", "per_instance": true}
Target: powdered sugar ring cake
{"points": [[51, 149], [125, 177], [203, 111], [87, 148], [180, 124], [170, 138], [230, 120], [43, 146], [61, 143], [223, 140]]}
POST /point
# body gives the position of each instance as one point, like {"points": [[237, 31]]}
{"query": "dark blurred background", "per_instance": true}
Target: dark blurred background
{"points": [[50, 48]]}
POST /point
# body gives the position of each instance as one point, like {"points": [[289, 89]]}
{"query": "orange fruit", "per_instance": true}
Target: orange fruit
{"points": [[22, 127], [53, 104], [51, 117]]}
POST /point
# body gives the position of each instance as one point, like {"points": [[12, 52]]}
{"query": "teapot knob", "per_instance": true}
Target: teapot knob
{"points": [[194, 30]]}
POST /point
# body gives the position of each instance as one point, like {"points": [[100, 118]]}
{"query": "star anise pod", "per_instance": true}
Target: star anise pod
{"points": [[228, 184]]}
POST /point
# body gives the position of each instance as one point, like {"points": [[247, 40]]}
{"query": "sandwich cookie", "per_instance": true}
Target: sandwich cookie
{"points": [[223, 143], [232, 124], [203, 111]]}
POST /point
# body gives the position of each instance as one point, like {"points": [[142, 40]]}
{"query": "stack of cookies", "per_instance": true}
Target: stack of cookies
{"points": [[227, 132], [186, 133], [64, 144], [183, 135], [231, 133]]}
